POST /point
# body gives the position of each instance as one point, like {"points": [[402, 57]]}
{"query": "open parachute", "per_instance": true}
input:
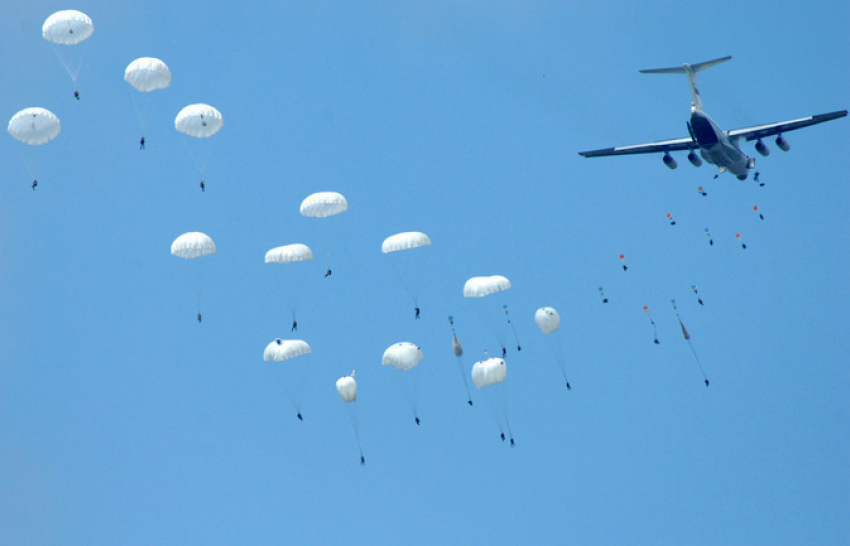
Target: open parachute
{"points": [[199, 121], [286, 254], [193, 245], [67, 27], [280, 350], [490, 375], [347, 388], [407, 240], [549, 321], [405, 356], [190, 246], [34, 126], [402, 356], [147, 74], [489, 372], [479, 287], [323, 204], [293, 374], [67, 31]]}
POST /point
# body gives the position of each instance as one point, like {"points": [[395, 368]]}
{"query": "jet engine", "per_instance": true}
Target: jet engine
{"points": [[762, 148], [783, 144], [695, 160], [669, 161]]}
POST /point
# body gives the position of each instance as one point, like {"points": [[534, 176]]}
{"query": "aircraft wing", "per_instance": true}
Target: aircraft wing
{"points": [[685, 143], [761, 131]]}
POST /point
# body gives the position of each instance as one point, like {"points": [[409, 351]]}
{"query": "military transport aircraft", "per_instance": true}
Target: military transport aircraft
{"points": [[715, 146]]}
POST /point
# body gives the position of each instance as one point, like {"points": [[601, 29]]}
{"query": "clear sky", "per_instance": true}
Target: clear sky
{"points": [[124, 421]]}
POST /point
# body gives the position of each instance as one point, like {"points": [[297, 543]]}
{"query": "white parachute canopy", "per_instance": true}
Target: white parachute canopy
{"points": [[402, 356], [489, 372], [67, 27], [405, 241], [548, 319], [296, 252], [199, 121], [347, 388], [34, 126], [192, 245], [284, 349], [148, 74], [323, 204], [478, 287]]}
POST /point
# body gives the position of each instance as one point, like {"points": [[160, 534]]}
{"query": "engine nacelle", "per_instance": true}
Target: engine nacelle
{"points": [[762, 148], [669, 161], [783, 144], [695, 160]]}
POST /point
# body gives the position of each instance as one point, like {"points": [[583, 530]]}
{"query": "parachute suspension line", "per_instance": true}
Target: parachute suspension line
{"points": [[504, 405], [559, 356], [143, 122], [495, 415], [500, 333], [407, 289], [508, 424], [352, 412], [294, 385], [499, 397], [465, 382], [298, 399], [654, 329], [73, 71], [500, 338], [699, 364], [292, 300], [199, 286], [492, 405], [687, 337], [411, 385], [200, 163], [516, 337], [195, 279], [458, 351], [331, 244], [30, 168], [80, 62]]}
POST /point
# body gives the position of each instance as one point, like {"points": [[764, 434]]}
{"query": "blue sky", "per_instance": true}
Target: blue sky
{"points": [[123, 420]]}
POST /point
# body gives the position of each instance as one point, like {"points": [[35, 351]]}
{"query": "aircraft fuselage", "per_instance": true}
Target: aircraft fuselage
{"points": [[716, 147]]}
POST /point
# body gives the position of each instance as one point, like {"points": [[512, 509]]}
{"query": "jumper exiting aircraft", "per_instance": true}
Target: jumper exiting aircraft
{"points": [[715, 146]]}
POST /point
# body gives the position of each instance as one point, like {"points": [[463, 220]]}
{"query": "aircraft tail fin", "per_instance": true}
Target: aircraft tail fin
{"points": [[691, 71]]}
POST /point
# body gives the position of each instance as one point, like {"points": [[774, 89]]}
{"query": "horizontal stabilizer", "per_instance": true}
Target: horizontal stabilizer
{"points": [[681, 69]]}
